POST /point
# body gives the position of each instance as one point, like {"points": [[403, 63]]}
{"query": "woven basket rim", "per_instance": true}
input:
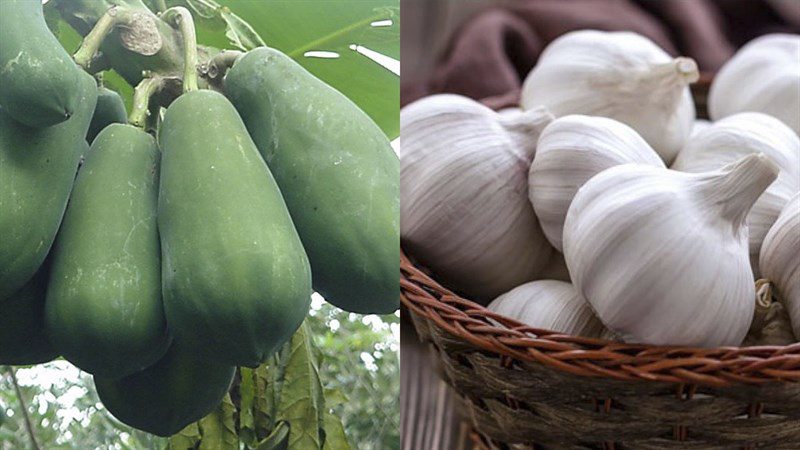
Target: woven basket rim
{"points": [[590, 357]]}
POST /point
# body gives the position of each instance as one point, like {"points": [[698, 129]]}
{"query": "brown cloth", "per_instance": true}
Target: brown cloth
{"points": [[490, 55]]}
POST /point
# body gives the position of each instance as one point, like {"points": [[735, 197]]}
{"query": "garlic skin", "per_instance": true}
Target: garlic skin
{"points": [[699, 125], [620, 75], [661, 255], [550, 305], [780, 259], [396, 146], [763, 76], [570, 151], [742, 134], [464, 210]]}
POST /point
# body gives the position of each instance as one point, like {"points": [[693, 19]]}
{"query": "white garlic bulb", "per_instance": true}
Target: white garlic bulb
{"points": [[780, 259], [550, 305], [464, 208], [742, 134], [661, 255], [699, 125], [571, 150], [763, 76], [621, 75]]}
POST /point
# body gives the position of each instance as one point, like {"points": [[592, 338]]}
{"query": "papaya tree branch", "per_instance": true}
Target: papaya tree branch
{"points": [[161, 5], [91, 43], [182, 18], [215, 69], [141, 100], [24, 407]]}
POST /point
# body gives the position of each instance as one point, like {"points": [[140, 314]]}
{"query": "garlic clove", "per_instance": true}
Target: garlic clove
{"points": [[763, 76], [780, 259], [550, 305], [699, 125], [748, 133], [570, 151], [620, 75], [661, 255], [464, 209]]}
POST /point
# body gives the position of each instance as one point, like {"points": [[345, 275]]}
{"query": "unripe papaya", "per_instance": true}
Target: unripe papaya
{"points": [[110, 109], [236, 281], [37, 169], [338, 174], [162, 399], [104, 311], [23, 339], [39, 82]]}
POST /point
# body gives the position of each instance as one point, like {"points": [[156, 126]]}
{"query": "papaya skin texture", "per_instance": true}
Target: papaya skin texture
{"points": [[39, 82], [110, 109], [104, 311], [37, 170], [164, 398], [338, 174], [236, 280], [22, 333]]}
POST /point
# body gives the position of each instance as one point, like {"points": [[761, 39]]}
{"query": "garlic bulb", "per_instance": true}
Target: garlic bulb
{"points": [[571, 150], [464, 208], [699, 125], [621, 75], [738, 135], [780, 259], [763, 76], [550, 305], [661, 255]]}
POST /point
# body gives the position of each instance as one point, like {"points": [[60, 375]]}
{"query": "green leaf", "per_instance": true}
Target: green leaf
{"points": [[301, 400], [335, 439], [278, 440], [187, 438], [218, 428], [247, 426]]}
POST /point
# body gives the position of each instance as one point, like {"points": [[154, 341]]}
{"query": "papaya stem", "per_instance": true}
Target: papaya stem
{"points": [[91, 43], [161, 5], [181, 17], [24, 407], [141, 100]]}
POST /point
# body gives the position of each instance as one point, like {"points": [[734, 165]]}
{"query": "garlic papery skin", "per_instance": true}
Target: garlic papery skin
{"points": [[550, 305], [742, 134], [763, 76], [464, 210], [780, 259], [570, 151], [620, 75], [699, 125], [661, 256]]}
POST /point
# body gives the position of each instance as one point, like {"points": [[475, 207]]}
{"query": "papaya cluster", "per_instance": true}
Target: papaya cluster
{"points": [[160, 263]]}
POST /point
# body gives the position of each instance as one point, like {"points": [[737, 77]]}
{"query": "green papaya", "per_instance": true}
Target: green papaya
{"points": [[110, 109], [39, 82], [235, 279], [23, 340], [104, 311], [37, 169], [162, 399], [338, 174]]}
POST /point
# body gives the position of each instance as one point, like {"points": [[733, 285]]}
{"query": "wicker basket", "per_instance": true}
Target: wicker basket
{"points": [[526, 388]]}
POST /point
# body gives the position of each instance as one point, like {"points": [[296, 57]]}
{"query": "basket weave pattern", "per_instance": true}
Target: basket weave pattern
{"points": [[527, 388]]}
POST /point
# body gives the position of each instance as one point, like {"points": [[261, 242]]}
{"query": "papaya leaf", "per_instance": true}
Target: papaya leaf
{"points": [[301, 398], [218, 430], [278, 440], [263, 409], [335, 438], [247, 391], [185, 439]]}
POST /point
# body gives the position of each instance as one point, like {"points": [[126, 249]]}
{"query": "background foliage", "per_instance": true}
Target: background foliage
{"points": [[358, 355]]}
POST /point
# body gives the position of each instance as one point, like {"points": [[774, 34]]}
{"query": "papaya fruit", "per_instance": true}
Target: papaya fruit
{"points": [[39, 82], [23, 340], [37, 170], [337, 172], [162, 399], [235, 279], [104, 311], [110, 109]]}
